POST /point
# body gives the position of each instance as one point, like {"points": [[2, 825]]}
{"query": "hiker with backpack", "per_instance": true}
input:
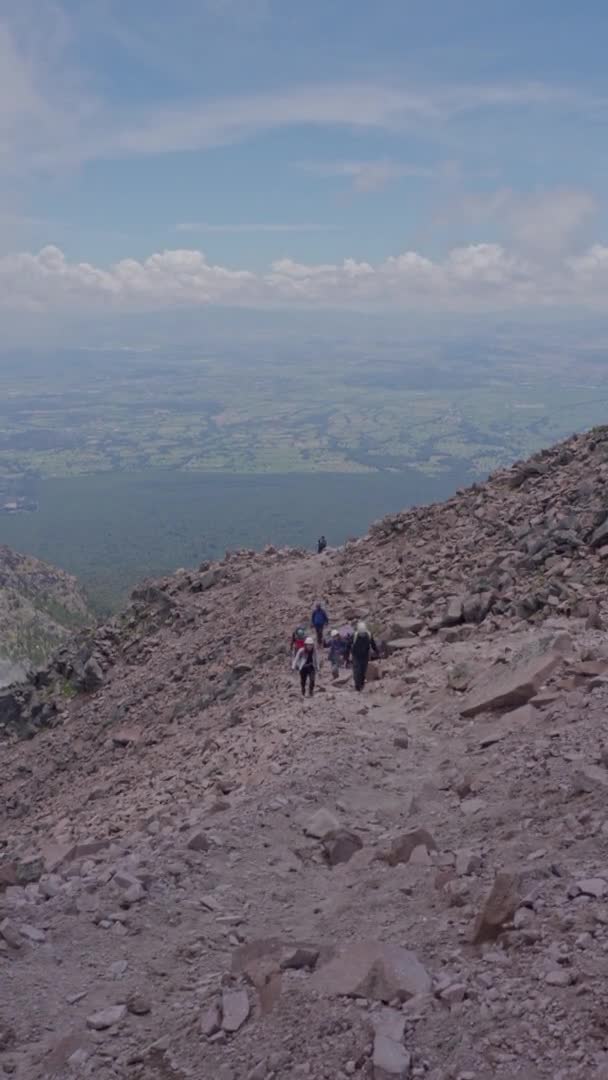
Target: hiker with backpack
{"points": [[363, 644], [297, 640], [305, 661], [321, 545], [319, 620], [336, 652]]}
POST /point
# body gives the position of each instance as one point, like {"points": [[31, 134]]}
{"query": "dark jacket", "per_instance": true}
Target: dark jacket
{"points": [[319, 617], [362, 645]]}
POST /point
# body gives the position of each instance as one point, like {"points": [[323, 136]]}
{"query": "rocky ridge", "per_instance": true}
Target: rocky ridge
{"points": [[40, 607], [203, 876]]}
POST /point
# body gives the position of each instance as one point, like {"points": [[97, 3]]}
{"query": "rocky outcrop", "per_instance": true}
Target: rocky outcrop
{"points": [[40, 607]]}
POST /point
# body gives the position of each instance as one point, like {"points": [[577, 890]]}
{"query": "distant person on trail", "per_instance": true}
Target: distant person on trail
{"points": [[297, 640], [305, 661], [336, 652], [363, 644], [321, 545], [319, 620]]}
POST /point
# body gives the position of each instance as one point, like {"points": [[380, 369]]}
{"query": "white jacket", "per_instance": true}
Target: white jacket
{"points": [[301, 658]]}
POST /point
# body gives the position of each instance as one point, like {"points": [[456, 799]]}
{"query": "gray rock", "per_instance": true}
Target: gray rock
{"points": [[510, 685], [322, 824], [235, 1009], [106, 1018], [341, 845], [373, 970], [391, 1060], [10, 934], [211, 1020]]}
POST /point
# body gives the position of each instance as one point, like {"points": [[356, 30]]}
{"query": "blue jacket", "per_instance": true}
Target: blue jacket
{"points": [[319, 617]]}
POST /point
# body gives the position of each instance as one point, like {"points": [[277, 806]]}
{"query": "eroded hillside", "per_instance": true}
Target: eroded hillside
{"points": [[205, 876]]}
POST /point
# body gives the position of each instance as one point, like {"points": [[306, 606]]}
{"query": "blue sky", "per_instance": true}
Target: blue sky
{"points": [[267, 153]]}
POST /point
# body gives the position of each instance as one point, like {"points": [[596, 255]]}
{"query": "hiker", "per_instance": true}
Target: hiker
{"points": [[336, 652], [305, 661], [319, 620], [363, 644], [347, 634], [297, 640], [321, 545]]}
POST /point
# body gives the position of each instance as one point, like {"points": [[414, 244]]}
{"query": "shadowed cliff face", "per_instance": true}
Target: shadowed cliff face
{"points": [[40, 606]]}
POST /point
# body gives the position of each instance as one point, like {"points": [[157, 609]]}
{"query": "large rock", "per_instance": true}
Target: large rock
{"points": [[107, 1018], [341, 845], [235, 1009], [498, 910], [401, 626], [321, 824], [391, 1060], [370, 969], [403, 846], [511, 687], [453, 613]]}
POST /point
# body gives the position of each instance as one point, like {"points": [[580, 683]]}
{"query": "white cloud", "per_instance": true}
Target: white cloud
{"points": [[543, 224], [252, 227], [473, 278]]}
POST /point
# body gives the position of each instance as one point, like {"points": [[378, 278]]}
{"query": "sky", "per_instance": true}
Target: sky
{"points": [[414, 158]]}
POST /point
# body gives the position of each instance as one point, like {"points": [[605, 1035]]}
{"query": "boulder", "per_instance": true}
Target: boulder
{"points": [[459, 677], [401, 626], [341, 845], [476, 606], [453, 613], [92, 676], [391, 1060], [107, 1018], [322, 824], [370, 969], [403, 847], [235, 1009], [510, 686], [498, 910]]}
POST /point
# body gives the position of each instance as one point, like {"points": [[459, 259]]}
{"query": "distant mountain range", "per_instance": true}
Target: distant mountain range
{"points": [[39, 607]]}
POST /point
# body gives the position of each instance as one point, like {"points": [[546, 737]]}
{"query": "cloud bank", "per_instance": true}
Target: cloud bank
{"points": [[476, 278]]}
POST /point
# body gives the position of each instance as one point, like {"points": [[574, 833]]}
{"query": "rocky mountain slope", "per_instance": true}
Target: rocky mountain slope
{"points": [[204, 876], [40, 607]]}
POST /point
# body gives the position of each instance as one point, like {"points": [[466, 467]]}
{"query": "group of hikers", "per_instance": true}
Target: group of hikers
{"points": [[346, 647]]}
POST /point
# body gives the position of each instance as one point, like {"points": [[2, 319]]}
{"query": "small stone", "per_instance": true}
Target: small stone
{"points": [[559, 977], [467, 863], [211, 1020], [403, 846], [10, 934], [341, 845], [199, 841], [118, 968], [391, 1060], [299, 958], [321, 824], [402, 742], [235, 1009], [453, 994], [138, 1005], [498, 909], [596, 887], [107, 1018]]}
